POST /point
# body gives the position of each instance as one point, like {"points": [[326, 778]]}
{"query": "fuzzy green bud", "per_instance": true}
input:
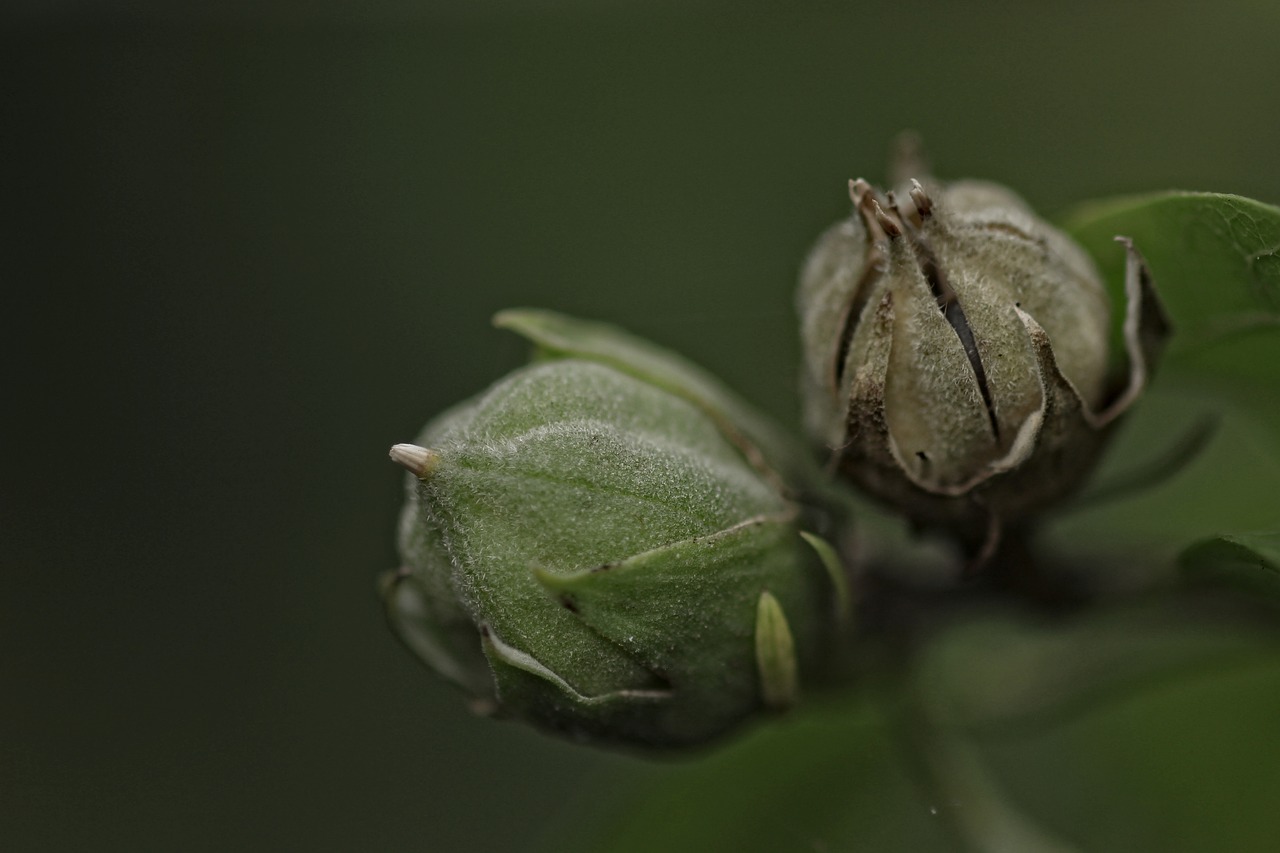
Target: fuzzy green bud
{"points": [[588, 546]]}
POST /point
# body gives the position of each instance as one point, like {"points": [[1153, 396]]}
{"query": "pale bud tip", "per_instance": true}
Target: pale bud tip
{"points": [[418, 461], [921, 198]]}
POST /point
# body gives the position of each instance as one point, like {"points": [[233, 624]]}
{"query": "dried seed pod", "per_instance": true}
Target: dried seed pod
{"points": [[956, 359]]}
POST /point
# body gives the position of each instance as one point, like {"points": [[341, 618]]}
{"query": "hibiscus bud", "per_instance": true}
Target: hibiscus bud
{"points": [[592, 545]]}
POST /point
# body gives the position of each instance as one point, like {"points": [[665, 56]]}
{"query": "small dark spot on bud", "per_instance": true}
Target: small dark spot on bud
{"points": [[569, 604], [922, 456]]}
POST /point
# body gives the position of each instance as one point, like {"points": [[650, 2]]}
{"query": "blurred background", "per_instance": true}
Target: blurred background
{"points": [[248, 248]]}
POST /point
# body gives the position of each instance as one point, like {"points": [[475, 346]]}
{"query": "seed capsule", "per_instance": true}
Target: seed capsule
{"points": [[956, 359]]}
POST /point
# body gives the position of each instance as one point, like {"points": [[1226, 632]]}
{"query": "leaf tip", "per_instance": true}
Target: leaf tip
{"points": [[775, 655], [835, 571]]}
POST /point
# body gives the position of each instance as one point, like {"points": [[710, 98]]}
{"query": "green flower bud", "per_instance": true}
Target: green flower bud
{"points": [[956, 360], [596, 546]]}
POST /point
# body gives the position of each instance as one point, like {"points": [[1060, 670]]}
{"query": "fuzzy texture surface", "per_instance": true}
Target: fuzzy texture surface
{"points": [[589, 551]]}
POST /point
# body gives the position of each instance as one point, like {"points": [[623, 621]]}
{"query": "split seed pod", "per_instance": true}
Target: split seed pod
{"points": [[601, 544], [956, 362]]}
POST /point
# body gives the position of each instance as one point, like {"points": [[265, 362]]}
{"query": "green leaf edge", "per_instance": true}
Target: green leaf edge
{"points": [[1246, 561], [835, 571], [1083, 214]]}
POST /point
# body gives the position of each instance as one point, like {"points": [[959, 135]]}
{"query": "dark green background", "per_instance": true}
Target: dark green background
{"points": [[247, 249]]}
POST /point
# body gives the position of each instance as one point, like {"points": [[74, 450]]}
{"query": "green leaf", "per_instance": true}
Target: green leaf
{"points": [[1249, 561], [1215, 259], [1157, 768], [1187, 766], [826, 777], [1228, 486], [996, 672]]}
